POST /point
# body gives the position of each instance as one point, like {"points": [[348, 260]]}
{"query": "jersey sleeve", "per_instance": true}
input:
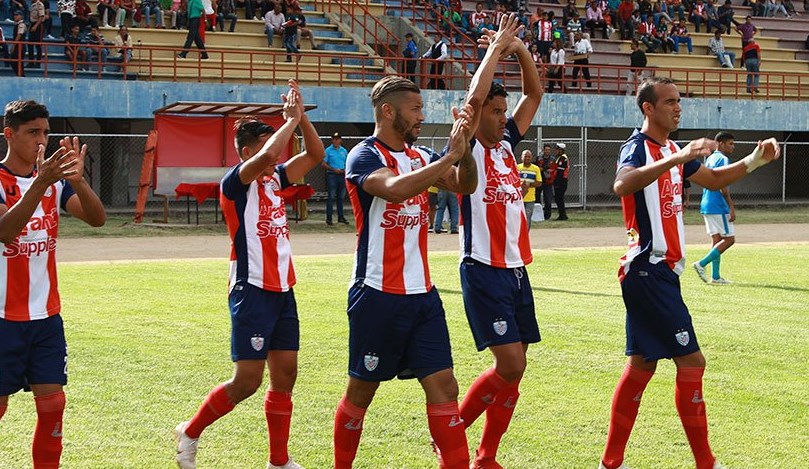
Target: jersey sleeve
{"points": [[67, 193], [362, 161], [281, 171], [512, 134], [630, 155], [231, 184], [690, 168]]}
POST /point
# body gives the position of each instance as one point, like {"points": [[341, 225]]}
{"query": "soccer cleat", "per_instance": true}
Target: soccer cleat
{"points": [[622, 466], [700, 271], [289, 465], [186, 448], [720, 281], [717, 465]]}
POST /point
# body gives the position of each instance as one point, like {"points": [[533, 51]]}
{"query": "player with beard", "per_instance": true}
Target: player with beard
{"points": [[495, 247], [651, 170], [397, 325]]}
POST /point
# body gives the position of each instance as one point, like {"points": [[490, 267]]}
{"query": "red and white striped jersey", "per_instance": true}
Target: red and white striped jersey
{"points": [[544, 30], [392, 237], [654, 215], [29, 287], [256, 218], [494, 229]]}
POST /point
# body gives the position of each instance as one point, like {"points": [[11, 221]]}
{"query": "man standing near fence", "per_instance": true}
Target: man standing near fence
{"points": [[335, 165], [651, 170], [560, 180], [33, 351], [719, 212], [548, 167]]}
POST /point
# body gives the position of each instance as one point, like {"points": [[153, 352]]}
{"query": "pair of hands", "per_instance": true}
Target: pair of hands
{"points": [[505, 39], [703, 147], [65, 163], [293, 103]]}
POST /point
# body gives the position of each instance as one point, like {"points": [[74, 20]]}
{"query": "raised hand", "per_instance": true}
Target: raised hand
{"points": [[505, 37], [699, 148], [771, 149], [61, 165], [461, 133], [78, 153], [291, 109]]}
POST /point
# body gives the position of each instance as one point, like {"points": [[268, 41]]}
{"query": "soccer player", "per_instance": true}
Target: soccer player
{"points": [[649, 180], [396, 320], [719, 213], [33, 351], [264, 316], [496, 248]]}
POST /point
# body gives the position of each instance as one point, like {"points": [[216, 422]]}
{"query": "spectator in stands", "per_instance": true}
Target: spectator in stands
{"points": [[67, 11], [249, 8], [478, 17], [47, 23], [19, 5], [752, 62], [645, 9], [637, 62], [636, 22], [790, 7], [528, 39], [438, 53], [194, 13], [676, 6], [758, 7], [209, 19], [291, 36], [556, 67], [274, 23], [534, 50], [108, 12], [177, 13], [679, 34], [149, 8], [747, 30], [126, 8], [544, 34], [226, 10], [625, 19], [535, 19], [18, 49], [36, 33], [83, 18], [659, 11], [410, 53], [595, 19], [95, 49], [4, 52], [662, 33], [699, 15], [648, 35], [725, 15], [717, 48], [573, 27], [451, 21], [713, 17], [772, 7], [582, 50], [73, 52], [303, 31], [122, 48], [568, 10]]}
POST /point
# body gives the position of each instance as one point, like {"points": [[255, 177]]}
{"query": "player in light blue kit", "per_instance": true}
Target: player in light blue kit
{"points": [[719, 213]]}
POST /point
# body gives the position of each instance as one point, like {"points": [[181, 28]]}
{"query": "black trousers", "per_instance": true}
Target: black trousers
{"points": [[410, 70], [547, 200], [193, 36], [436, 80], [582, 65], [559, 189]]}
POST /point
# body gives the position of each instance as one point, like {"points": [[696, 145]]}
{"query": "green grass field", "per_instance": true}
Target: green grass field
{"points": [[149, 340]]}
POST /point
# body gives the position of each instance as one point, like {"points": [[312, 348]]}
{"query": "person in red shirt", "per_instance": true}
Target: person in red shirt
{"points": [[751, 55], [33, 351], [625, 10]]}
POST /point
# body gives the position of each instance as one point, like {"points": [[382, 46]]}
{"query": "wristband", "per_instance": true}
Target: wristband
{"points": [[755, 159]]}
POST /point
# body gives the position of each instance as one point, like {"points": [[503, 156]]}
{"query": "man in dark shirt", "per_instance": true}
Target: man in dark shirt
{"points": [[73, 52], [726, 13], [637, 62], [291, 34], [560, 181]]}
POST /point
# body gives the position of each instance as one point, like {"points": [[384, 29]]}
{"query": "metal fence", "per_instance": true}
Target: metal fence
{"points": [[114, 163]]}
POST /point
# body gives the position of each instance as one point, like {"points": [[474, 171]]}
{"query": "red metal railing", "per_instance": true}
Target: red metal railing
{"points": [[329, 68], [364, 24]]}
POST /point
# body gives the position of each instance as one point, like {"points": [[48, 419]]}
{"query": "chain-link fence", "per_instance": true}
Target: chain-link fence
{"points": [[114, 164]]}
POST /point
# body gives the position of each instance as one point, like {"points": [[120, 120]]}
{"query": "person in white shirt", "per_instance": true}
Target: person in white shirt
{"points": [[274, 23], [556, 67], [717, 47], [438, 53], [582, 50]]}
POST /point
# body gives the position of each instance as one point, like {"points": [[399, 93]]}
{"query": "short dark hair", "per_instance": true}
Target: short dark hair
{"points": [[724, 136], [497, 89], [389, 86], [20, 112], [248, 130], [646, 89]]}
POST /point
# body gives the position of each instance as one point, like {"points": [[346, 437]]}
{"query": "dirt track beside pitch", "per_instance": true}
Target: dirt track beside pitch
{"points": [[195, 247]]}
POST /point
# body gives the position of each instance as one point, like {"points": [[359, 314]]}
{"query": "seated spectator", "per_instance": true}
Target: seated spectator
{"points": [[177, 14], [528, 40], [662, 34], [534, 50], [556, 67], [487, 24], [4, 52], [698, 15], [249, 8], [676, 7], [772, 7], [645, 9], [274, 23], [568, 10], [713, 17], [477, 18], [73, 52], [83, 18], [717, 48], [725, 15], [573, 27], [758, 7], [226, 10], [648, 35], [126, 8], [659, 11], [595, 19], [637, 62], [108, 12], [122, 47], [95, 49], [679, 34], [149, 8], [790, 7], [544, 34], [636, 22], [303, 31]]}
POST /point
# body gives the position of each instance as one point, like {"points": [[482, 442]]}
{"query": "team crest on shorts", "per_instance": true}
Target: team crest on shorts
{"points": [[371, 362], [500, 327], [682, 338], [257, 342]]}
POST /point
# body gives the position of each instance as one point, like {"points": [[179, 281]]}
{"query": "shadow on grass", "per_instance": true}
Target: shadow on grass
{"points": [[449, 291], [773, 287]]}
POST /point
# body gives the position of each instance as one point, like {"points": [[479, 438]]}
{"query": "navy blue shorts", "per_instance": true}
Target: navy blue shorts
{"points": [[32, 352], [499, 304], [396, 335], [658, 324], [261, 321]]}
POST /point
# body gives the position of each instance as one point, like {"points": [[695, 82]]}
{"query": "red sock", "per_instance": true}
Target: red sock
{"points": [[691, 407], [625, 404], [347, 433], [449, 435], [47, 446], [480, 395], [3, 410], [216, 405], [278, 410], [498, 416]]}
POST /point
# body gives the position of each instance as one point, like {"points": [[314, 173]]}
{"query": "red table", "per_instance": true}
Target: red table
{"points": [[200, 191]]}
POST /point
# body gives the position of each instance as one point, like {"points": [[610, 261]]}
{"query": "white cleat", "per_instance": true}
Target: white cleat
{"points": [[186, 448], [720, 281], [717, 465], [289, 465], [700, 271], [622, 466]]}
